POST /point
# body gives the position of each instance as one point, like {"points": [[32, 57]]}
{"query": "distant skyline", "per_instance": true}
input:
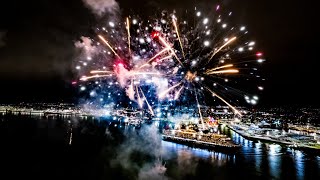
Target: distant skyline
{"points": [[37, 45]]}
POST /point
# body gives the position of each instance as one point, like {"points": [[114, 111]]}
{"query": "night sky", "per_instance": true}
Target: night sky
{"points": [[37, 45]]}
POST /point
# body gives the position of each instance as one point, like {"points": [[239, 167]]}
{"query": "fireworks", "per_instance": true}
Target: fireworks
{"points": [[169, 60]]}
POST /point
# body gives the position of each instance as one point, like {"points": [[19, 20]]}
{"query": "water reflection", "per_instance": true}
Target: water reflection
{"points": [[216, 157], [274, 158], [258, 158]]}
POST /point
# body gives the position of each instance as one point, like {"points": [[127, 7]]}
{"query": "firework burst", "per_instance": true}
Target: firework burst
{"points": [[169, 60]]}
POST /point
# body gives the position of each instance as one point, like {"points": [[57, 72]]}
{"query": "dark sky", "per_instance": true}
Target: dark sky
{"points": [[37, 44]]}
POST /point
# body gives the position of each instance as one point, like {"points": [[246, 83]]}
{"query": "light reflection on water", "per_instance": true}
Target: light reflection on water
{"points": [[199, 153], [274, 159], [298, 158]]}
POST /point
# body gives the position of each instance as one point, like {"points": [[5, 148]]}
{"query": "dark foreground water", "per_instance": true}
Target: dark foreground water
{"points": [[71, 148]]}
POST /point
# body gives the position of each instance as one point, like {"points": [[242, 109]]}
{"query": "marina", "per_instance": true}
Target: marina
{"points": [[292, 140]]}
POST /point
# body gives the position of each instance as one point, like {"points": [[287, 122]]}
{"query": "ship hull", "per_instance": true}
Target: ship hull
{"points": [[202, 144]]}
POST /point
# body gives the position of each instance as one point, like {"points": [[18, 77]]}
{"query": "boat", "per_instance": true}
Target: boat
{"points": [[210, 141]]}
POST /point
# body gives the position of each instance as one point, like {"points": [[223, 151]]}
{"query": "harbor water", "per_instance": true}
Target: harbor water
{"points": [[89, 148]]}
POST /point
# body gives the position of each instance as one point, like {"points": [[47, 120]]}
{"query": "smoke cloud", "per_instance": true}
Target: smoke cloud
{"points": [[178, 118], [99, 7], [187, 164], [91, 109], [122, 74], [145, 144], [156, 171], [86, 46], [130, 92], [161, 84]]}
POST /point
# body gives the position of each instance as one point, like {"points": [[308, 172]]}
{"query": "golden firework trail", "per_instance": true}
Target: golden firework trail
{"points": [[85, 78], [100, 72], [224, 45], [128, 29], [178, 34], [200, 114], [149, 107], [106, 42], [220, 67], [227, 71], [233, 108], [168, 47], [178, 93]]}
